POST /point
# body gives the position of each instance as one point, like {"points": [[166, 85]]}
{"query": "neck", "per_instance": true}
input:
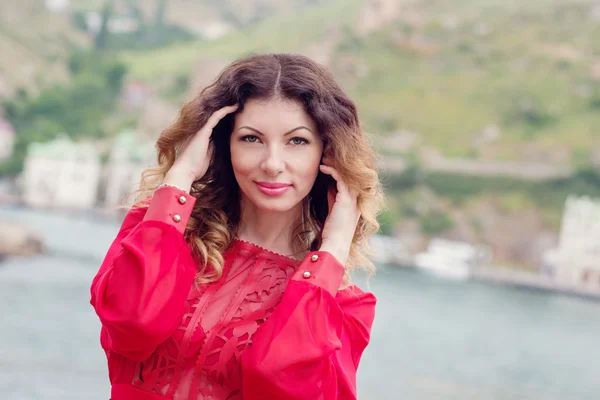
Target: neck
{"points": [[269, 229]]}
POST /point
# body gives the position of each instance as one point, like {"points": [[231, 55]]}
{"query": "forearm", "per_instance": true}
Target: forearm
{"points": [[141, 287], [180, 178], [338, 250]]}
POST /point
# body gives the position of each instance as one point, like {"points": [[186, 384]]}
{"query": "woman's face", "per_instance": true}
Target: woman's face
{"points": [[275, 152]]}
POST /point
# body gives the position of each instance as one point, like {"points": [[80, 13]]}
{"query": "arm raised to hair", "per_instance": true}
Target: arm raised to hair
{"points": [[140, 290]]}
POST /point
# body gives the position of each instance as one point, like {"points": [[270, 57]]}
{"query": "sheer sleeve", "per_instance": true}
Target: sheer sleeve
{"points": [[140, 290], [311, 345]]}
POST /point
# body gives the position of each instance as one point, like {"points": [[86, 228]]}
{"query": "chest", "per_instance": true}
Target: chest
{"points": [[217, 325], [228, 312]]}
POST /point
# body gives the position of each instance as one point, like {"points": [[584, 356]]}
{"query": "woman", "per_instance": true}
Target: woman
{"points": [[229, 280]]}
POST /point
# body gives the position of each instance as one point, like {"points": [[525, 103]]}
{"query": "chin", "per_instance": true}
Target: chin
{"points": [[274, 203]]}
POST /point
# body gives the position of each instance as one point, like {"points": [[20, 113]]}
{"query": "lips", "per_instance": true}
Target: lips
{"points": [[273, 185], [273, 188]]}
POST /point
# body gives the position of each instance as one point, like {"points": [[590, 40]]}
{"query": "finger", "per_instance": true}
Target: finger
{"points": [[341, 185], [219, 115], [331, 195]]}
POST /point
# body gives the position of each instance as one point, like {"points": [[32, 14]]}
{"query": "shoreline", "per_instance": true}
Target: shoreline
{"points": [[18, 239], [109, 214], [525, 280], [496, 275], [510, 277]]}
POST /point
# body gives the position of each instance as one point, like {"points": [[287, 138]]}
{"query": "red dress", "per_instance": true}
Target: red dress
{"points": [[270, 328]]}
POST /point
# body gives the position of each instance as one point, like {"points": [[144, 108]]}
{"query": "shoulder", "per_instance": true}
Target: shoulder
{"points": [[356, 302], [353, 294], [358, 307], [136, 213]]}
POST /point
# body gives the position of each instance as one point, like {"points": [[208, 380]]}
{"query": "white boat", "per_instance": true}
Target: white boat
{"points": [[389, 250], [451, 259]]}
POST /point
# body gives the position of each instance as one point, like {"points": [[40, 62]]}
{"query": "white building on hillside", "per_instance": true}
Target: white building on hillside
{"points": [[127, 160], [576, 260], [57, 6], [116, 23], [377, 13], [7, 139], [61, 174]]}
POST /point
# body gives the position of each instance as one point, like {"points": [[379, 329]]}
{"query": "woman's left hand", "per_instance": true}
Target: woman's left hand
{"points": [[342, 219]]}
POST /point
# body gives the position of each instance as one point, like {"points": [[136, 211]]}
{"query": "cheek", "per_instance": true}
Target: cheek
{"points": [[240, 161], [307, 164]]}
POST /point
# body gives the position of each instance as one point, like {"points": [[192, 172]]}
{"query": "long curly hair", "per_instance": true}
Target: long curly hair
{"points": [[216, 213]]}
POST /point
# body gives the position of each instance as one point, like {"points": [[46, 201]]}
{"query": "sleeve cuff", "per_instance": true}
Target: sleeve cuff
{"points": [[171, 206], [321, 268]]}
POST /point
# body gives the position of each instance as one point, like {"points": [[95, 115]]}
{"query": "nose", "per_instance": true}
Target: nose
{"points": [[273, 161]]}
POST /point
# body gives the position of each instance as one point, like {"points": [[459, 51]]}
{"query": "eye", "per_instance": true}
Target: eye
{"points": [[298, 141], [249, 138]]}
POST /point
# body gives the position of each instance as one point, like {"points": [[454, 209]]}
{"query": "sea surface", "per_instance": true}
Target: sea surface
{"points": [[432, 338]]}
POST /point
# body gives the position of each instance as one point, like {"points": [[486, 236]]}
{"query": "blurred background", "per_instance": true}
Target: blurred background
{"points": [[486, 115]]}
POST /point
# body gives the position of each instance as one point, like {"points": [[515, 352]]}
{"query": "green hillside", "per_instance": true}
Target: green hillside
{"points": [[480, 80], [286, 32], [532, 71], [35, 46]]}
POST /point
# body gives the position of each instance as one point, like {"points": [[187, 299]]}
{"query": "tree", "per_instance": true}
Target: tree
{"points": [[115, 75], [159, 18], [102, 38]]}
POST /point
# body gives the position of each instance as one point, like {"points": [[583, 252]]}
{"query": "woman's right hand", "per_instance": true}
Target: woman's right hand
{"points": [[196, 154]]}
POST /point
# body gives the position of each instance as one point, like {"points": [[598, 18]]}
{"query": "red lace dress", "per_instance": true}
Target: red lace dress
{"points": [[270, 328]]}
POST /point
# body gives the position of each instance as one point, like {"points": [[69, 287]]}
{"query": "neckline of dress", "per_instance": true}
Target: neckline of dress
{"points": [[264, 250]]}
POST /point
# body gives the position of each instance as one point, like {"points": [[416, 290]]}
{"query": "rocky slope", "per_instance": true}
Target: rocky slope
{"points": [[34, 44]]}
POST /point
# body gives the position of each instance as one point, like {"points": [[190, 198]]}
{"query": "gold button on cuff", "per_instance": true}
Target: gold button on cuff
{"points": [[182, 199], [314, 258], [176, 218], [306, 275]]}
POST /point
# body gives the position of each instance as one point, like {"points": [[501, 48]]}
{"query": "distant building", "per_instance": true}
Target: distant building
{"points": [[116, 23], [376, 13], [57, 6], [576, 260], [61, 174], [214, 29], [134, 95], [126, 161], [7, 140]]}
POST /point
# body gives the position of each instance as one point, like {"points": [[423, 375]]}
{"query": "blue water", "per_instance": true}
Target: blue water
{"points": [[432, 339]]}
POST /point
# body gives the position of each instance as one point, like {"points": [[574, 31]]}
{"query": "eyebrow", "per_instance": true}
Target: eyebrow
{"points": [[285, 134]]}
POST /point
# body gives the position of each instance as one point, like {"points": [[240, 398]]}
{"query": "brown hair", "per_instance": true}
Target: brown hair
{"points": [[216, 213]]}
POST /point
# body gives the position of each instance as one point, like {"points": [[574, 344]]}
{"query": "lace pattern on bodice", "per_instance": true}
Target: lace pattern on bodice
{"points": [[202, 359]]}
